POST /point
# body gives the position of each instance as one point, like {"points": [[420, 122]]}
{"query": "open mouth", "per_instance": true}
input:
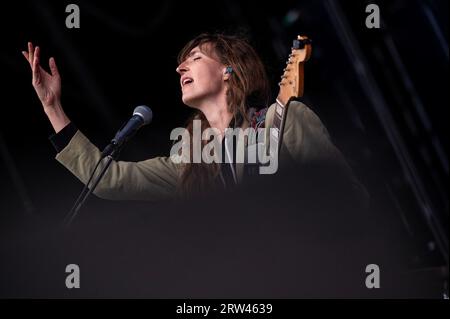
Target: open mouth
{"points": [[186, 81]]}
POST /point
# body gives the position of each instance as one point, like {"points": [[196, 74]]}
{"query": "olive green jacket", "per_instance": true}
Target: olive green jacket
{"points": [[305, 141]]}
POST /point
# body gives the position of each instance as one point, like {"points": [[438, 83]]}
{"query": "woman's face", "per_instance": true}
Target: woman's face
{"points": [[202, 77]]}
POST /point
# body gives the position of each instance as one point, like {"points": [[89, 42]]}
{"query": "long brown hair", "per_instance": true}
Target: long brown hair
{"points": [[248, 87]]}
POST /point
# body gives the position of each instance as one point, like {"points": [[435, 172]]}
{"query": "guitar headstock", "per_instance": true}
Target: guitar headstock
{"points": [[292, 80]]}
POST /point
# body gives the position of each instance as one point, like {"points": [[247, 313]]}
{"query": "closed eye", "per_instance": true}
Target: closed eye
{"points": [[197, 58]]}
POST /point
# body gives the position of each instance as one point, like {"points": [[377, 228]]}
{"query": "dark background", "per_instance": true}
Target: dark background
{"points": [[382, 94]]}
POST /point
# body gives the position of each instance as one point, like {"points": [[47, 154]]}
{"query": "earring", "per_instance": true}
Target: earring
{"points": [[229, 70]]}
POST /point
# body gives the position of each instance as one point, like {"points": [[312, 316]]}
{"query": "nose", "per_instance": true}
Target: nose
{"points": [[182, 68]]}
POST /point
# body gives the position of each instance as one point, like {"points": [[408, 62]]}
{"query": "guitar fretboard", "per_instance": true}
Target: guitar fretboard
{"points": [[277, 129]]}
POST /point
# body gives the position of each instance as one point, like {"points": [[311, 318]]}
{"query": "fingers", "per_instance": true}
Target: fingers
{"points": [[33, 57], [35, 66], [25, 54], [53, 67], [30, 53], [36, 56]]}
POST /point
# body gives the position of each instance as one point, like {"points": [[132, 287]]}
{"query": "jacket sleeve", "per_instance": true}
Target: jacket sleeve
{"points": [[152, 179], [307, 142]]}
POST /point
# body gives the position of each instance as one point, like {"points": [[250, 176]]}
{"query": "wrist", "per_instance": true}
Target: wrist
{"points": [[57, 117], [53, 109]]}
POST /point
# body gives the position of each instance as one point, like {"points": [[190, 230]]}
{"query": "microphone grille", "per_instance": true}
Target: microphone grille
{"points": [[145, 112]]}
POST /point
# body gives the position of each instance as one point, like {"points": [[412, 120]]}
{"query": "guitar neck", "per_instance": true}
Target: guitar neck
{"points": [[291, 86], [276, 133]]}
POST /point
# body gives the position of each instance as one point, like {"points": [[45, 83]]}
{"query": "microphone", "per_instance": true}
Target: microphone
{"points": [[142, 115]]}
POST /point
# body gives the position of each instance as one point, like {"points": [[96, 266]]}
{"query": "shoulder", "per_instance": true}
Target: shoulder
{"points": [[298, 114], [295, 108]]}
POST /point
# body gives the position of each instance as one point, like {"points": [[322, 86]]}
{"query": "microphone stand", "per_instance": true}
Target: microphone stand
{"points": [[84, 196]]}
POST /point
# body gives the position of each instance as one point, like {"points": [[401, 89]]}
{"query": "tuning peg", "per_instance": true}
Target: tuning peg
{"points": [[300, 43]]}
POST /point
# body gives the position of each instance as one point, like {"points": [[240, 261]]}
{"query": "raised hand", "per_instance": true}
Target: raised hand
{"points": [[47, 86]]}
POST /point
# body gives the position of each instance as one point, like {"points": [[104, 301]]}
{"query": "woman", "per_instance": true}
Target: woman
{"points": [[224, 80]]}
